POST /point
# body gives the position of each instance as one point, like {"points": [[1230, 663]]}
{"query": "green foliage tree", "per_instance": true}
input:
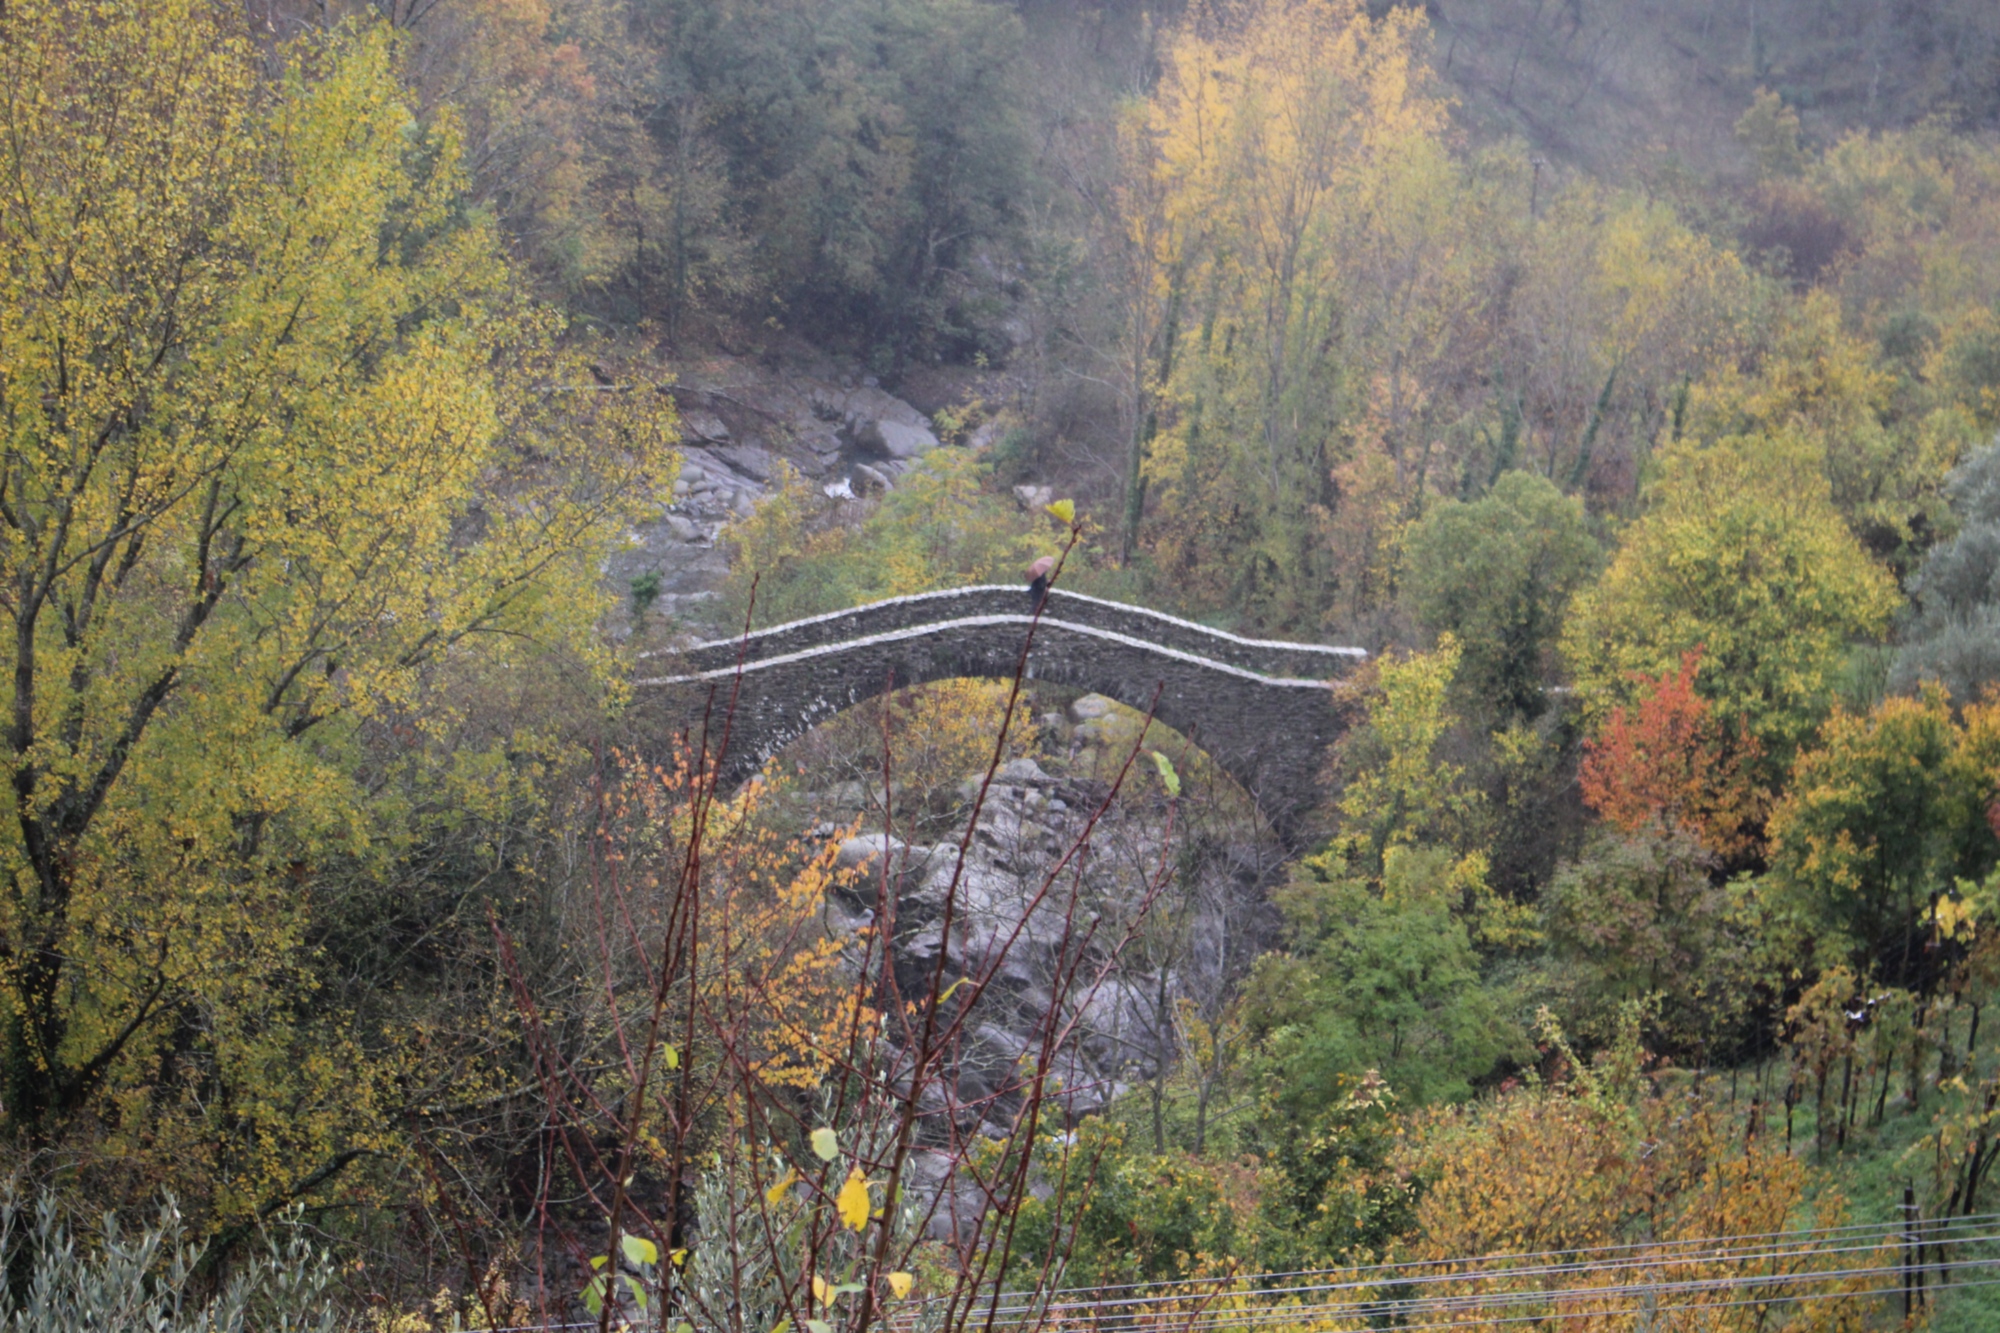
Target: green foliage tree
{"points": [[872, 148], [1327, 1193], [1740, 553], [1883, 817], [1769, 132], [943, 525], [1140, 1217], [1497, 574], [1331, 1194], [1954, 635], [275, 482], [1379, 977], [1640, 919]]}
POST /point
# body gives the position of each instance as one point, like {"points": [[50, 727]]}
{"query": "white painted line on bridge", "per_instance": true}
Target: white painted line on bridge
{"points": [[979, 622]]}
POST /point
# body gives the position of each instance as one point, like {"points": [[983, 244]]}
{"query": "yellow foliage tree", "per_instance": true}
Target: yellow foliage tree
{"points": [[281, 461], [1885, 463], [1332, 290], [1401, 792], [1619, 303], [936, 736], [1741, 554], [1566, 1169], [1295, 146], [772, 984], [1883, 817], [601, 172]]}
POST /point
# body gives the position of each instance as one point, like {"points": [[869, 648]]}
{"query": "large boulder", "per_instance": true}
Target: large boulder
{"points": [[876, 421]]}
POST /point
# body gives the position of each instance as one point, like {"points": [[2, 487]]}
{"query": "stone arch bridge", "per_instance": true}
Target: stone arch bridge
{"points": [[1263, 711]]}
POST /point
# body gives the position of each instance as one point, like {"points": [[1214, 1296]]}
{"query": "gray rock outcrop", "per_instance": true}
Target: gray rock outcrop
{"points": [[1025, 933], [741, 424], [874, 421]]}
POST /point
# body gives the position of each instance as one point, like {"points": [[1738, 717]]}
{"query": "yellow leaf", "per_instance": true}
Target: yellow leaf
{"points": [[1064, 510], [826, 1143], [900, 1284], [820, 1289], [776, 1194], [853, 1200], [1955, 919]]}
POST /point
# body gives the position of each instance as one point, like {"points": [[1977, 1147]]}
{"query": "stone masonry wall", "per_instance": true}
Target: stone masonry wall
{"points": [[1267, 732]]}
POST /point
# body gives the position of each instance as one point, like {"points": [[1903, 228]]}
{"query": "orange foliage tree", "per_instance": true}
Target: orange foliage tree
{"points": [[1670, 763]]}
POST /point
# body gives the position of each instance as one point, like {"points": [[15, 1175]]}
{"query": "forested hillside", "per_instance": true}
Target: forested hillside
{"points": [[392, 390]]}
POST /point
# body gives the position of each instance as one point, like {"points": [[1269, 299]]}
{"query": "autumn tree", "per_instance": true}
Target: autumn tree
{"points": [[555, 103], [1883, 816], [280, 469], [1667, 763], [1152, 247], [1884, 446], [1741, 553], [1596, 1159], [1345, 317], [1289, 139], [1620, 304]]}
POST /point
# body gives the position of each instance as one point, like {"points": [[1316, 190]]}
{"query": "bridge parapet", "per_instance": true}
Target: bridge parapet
{"points": [[1265, 657]]}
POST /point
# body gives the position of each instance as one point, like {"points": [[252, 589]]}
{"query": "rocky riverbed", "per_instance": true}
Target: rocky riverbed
{"points": [[1111, 916], [741, 424]]}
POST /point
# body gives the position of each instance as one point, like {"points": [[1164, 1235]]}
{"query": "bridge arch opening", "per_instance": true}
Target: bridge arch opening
{"points": [[939, 737], [1172, 897]]}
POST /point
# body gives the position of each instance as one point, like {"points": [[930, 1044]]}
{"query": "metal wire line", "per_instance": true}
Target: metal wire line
{"points": [[1216, 1310], [1132, 1310], [1477, 1300], [1244, 1319], [1927, 1227], [1693, 1250], [1625, 1295], [1499, 1321], [1504, 1321]]}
